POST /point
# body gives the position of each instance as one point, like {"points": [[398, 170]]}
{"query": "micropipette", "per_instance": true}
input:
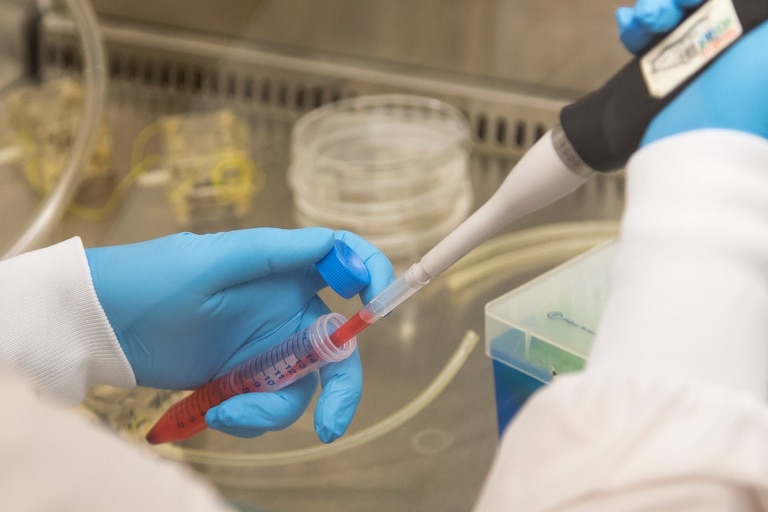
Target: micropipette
{"points": [[597, 133], [295, 357]]}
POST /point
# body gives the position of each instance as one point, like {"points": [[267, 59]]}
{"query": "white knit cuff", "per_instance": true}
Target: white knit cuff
{"points": [[53, 329]]}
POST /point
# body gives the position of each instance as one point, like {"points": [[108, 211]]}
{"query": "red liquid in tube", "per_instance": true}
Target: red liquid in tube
{"points": [[292, 359]]}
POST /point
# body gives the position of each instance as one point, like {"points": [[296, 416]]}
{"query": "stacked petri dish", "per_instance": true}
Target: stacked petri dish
{"points": [[391, 168]]}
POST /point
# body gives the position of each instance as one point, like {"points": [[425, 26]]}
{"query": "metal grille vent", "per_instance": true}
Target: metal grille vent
{"points": [[503, 122]]}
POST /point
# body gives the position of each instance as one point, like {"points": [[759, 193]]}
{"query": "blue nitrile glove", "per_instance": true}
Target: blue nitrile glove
{"points": [[187, 308], [638, 25], [731, 94]]}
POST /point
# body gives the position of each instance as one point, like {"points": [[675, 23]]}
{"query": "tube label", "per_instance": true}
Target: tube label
{"points": [[693, 44]]}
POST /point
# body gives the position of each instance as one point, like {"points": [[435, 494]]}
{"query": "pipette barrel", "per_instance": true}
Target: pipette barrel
{"points": [[292, 359]]}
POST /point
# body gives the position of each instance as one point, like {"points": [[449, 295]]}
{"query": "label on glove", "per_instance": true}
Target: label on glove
{"points": [[693, 44]]}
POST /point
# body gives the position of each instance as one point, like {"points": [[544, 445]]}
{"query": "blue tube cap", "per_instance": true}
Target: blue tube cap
{"points": [[343, 270]]}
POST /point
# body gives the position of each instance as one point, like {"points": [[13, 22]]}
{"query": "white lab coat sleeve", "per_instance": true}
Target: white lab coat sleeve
{"points": [[53, 330], [55, 460], [670, 413], [54, 333]]}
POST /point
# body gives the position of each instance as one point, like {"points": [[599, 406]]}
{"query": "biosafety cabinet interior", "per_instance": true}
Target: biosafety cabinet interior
{"points": [[189, 81]]}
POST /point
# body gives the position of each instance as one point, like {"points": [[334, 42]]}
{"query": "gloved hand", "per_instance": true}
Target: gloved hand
{"points": [[638, 25], [187, 308], [730, 94]]}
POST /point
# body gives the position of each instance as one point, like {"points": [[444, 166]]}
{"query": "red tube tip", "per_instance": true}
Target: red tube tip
{"points": [[349, 330], [153, 437]]}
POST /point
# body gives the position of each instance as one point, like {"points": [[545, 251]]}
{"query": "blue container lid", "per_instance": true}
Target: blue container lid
{"points": [[343, 270]]}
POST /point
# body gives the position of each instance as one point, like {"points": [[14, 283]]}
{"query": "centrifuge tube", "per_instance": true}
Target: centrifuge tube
{"points": [[283, 364]]}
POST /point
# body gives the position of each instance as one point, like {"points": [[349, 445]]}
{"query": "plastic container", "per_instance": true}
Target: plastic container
{"points": [[212, 176], [44, 121], [546, 327], [391, 168]]}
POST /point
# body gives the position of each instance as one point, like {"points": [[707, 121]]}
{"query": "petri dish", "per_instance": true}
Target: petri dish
{"points": [[392, 168]]}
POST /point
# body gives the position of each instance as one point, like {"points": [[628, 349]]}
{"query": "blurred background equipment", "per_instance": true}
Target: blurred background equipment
{"points": [[211, 174]]}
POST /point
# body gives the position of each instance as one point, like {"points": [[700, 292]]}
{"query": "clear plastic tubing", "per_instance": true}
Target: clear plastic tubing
{"points": [[292, 359], [53, 208]]}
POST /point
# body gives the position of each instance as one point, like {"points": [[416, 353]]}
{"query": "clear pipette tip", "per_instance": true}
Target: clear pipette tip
{"points": [[391, 297]]}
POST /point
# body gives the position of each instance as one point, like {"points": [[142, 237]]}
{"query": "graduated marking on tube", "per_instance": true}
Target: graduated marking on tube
{"points": [[692, 45]]}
